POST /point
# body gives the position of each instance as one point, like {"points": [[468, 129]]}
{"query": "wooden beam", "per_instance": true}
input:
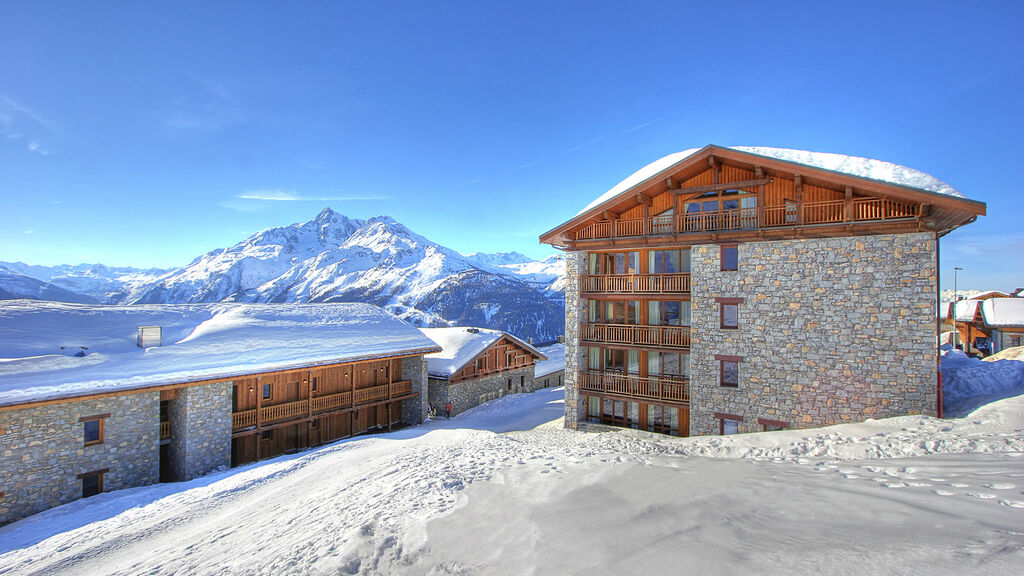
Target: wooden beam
{"points": [[848, 205], [799, 182], [643, 199], [669, 183], [759, 174], [722, 186]]}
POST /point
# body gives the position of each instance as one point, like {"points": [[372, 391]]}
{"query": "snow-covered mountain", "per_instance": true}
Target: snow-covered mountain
{"points": [[333, 258], [99, 283], [14, 285]]}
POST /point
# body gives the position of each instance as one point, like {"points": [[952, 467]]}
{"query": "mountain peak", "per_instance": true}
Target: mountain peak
{"points": [[326, 215]]}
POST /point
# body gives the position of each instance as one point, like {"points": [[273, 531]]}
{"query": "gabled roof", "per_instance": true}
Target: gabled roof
{"points": [[555, 360], [988, 294], [460, 346], [878, 177], [199, 342], [1003, 312], [966, 310]]}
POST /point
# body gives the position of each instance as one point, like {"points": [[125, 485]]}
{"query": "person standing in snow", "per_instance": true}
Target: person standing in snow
{"points": [[448, 410]]}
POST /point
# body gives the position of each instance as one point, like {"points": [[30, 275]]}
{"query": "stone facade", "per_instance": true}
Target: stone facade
{"points": [[830, 330], [575, 312], [414, 368], [200, 430], [466, 394], [42, 450]]}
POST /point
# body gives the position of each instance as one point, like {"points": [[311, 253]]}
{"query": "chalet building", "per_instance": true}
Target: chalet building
{"points": [[1004, 320], [97, 398], [723, 290], [549, 373], [476, 365], [972, 333]]}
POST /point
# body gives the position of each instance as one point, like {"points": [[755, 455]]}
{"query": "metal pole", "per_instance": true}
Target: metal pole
{"points": [[956, 298]]}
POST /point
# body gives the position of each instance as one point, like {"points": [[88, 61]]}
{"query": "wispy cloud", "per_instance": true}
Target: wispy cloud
{"points": [[30, 231], [207, 105], [17, 121], [290, 196]]}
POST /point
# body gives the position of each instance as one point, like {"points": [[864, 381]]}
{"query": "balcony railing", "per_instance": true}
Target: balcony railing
{"points": [[165, 430], [291, 410], [809, 213], [653, 388], [637, 283], [638, 335]]}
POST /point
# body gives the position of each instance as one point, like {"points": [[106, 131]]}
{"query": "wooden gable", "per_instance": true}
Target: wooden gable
{"points": [[781, 197], [505, 353]]}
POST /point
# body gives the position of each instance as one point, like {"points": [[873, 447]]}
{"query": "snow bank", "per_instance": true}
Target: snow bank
{"points": [[200, 341], [968, 382]]}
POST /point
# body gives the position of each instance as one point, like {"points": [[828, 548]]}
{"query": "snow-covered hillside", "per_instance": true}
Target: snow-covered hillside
{"points": [[502, 489], [99, 283], [333, 258], [14, 285]]}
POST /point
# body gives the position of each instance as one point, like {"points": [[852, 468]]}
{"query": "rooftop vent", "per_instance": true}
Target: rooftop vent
{"points": [[149, 336], [473, 330]]}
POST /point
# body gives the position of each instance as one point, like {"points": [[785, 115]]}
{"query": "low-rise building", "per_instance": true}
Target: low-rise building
{"points": [[1004, 319], [96, 398], [550, 372], [476, 365]]}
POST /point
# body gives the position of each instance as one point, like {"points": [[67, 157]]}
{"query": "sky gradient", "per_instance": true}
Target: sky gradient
{"points": [[146, 134]]}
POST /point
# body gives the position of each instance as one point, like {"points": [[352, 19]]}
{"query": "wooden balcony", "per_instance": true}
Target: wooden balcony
{"points": [[675, 337], [633, 386], [809, 213], [165, 430], [301, 408], [636, 283]]}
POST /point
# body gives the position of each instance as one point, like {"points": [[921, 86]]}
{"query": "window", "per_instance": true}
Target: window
{"points": [[772, 425], [729, 370], [315, 384], [481, 364], [669, 261], [266, 391], [314, 424], [92, 482], [668, 312], [267, 435], [93, 429], [728, 423], [510, 384], [663, 419], [730, 256], [729, 312], [730, 316], [522, 381]]}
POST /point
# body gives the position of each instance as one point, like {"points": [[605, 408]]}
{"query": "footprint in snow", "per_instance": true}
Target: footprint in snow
{"points": [[981, 495], [1000, 486], [943, 492], [959, 485], [1012, 503]]}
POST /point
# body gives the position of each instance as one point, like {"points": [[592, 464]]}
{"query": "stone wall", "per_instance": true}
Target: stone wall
{"points": [[414, 410], [830, 330], [200, 430], [551, 380], [42, 450], [466, 394], [575, 312]]}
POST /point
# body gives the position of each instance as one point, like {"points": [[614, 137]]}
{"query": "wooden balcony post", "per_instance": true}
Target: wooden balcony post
{"points": [[759, 174], [848, 205], [259, 406]]}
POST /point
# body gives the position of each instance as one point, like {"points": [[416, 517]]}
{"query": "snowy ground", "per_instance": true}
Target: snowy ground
{"points": [[502, 489]]}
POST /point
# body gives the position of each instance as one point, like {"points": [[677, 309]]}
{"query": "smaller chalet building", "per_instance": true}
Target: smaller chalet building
{"points": [[96, 398], [476, 365], [550, 372], [1004, 319]]}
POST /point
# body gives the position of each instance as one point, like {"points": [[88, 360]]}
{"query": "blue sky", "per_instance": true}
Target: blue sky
{"points": [[148, 133]]}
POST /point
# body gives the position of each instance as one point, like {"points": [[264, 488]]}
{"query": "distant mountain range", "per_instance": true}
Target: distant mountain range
{"points": [[331, 258]]}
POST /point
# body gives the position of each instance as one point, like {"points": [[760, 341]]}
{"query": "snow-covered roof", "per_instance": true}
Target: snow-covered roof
{"points": [[966, 310], [945, 307], [461, 345], [199, 342], [1003, 312], [555, 361], [850, 165], [988, 294]]}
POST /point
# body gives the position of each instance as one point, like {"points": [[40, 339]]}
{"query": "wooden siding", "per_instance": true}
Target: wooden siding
{"points": [[503, 355]]}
